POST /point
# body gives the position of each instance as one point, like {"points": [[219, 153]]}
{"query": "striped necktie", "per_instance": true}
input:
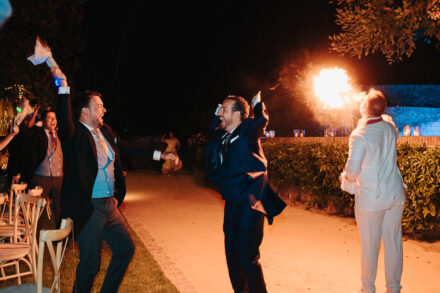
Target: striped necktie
{"points": [[100, 140]]}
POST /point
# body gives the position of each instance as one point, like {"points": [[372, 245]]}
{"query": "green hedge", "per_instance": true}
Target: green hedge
{"points": [[315, 167]]}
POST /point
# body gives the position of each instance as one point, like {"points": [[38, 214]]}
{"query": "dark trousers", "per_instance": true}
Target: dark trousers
{"points": [[106, 223], [243, 229], [51, 189]]}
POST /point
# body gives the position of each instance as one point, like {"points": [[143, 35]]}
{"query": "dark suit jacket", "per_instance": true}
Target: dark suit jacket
{"points": [[243, 173], [81, 165], [27, 151]]}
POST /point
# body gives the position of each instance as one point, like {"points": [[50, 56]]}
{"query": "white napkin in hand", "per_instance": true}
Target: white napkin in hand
{"points": [[347, 185], [256, 99], [42, 53]]}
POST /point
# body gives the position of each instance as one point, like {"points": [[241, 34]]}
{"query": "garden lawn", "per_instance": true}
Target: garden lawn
{"points": [[143, 274]]}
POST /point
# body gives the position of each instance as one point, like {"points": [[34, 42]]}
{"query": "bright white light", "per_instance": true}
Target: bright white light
{"points": [[332, 87]]}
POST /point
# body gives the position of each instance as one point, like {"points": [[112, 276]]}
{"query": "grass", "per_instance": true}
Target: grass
{"points": [[143, 274]]}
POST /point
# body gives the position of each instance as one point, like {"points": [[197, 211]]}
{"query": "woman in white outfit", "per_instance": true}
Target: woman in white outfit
{"points": [[371, 173]]}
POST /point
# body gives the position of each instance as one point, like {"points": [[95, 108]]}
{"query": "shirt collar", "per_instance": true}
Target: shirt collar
{"points": [[88, 126], [47, 132], [373, 120], [230, 132]]}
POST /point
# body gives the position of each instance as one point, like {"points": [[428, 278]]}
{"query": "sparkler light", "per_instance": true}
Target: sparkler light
{"points": [[333, 88]]}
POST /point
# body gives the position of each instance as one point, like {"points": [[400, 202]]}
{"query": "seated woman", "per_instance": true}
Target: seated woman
{"points": [[170, 167]]}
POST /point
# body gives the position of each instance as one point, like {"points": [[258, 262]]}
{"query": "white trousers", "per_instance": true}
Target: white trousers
{"points": [[374, 226]]}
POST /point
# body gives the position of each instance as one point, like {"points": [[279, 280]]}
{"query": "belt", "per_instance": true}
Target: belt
{"points": [[101, 198]]}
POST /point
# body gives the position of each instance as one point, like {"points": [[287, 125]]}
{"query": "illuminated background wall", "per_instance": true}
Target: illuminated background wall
{"points": [[414, 105]]}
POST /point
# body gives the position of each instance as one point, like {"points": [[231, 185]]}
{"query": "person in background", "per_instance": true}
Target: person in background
{"points": [[372, 174], [47, 162], [170, 167]]}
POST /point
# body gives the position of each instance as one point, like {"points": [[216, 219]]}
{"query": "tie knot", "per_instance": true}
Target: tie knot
{"points": [[227, 136]]}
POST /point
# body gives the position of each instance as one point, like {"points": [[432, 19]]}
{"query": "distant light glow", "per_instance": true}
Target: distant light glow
{"points": [[18, 109], [333, 88]]}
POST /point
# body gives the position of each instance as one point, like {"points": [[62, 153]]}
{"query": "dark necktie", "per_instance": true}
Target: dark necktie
{"points": [[225, 143], [53, 140]]}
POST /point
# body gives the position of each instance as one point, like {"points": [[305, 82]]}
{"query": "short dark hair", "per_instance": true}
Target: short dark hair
{"points": [[44, 114], [240, 105], [83, 101], [375, 102]]}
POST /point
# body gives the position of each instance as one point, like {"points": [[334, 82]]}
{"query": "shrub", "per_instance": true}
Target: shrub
{"points": [[315, 167]]}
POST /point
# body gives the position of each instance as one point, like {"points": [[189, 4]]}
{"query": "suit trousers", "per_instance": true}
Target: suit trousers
{"points": [[106, 223], [51, 190], [243, 228], [374, 226]]}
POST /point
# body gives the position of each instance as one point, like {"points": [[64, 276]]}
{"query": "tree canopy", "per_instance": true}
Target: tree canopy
{"points": [[391, 27]]}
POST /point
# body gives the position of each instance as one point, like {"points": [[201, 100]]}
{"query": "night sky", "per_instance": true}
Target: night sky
{"points": [[165, 66]]}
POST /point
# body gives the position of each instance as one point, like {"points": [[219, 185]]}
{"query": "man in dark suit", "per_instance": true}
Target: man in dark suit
{"points": [[235, 162], [93, 186]]}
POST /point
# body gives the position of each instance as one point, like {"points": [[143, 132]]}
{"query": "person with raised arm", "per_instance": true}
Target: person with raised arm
{"points": [[94, 185], [235, 162]]}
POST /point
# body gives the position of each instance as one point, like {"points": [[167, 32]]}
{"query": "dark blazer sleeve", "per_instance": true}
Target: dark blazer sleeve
{"points": [[261, 118], [66, 126], [212, 160], [39, 143]]}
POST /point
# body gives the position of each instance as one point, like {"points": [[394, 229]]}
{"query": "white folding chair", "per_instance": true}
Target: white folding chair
{"points": [[47, 237], [38, 191], [7, 230], [23, 248], [15, 189]]}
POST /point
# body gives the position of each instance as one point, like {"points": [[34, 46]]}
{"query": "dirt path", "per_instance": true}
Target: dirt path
{"points": [[181, 224]]}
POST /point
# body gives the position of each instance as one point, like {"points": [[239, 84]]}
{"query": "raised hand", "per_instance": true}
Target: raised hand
{"points": [[59, 75], [14, 130], [256, 99]]}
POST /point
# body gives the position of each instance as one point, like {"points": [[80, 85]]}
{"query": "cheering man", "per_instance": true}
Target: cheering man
{"points": [[236, 163]]}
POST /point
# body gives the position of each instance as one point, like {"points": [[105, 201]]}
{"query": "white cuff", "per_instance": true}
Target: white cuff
{"points": [[156, 155], [63, 90]]}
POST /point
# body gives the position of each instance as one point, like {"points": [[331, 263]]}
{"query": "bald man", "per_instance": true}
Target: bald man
{"points": [[372, 174]]}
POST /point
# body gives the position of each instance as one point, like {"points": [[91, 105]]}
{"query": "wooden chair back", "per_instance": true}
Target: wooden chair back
{"points": [[30, 208], [15, 189], [47, 237], [37, 191]]}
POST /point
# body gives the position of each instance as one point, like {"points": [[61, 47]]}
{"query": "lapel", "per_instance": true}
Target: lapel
{"points": [[91, 140], [234, 137]]}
